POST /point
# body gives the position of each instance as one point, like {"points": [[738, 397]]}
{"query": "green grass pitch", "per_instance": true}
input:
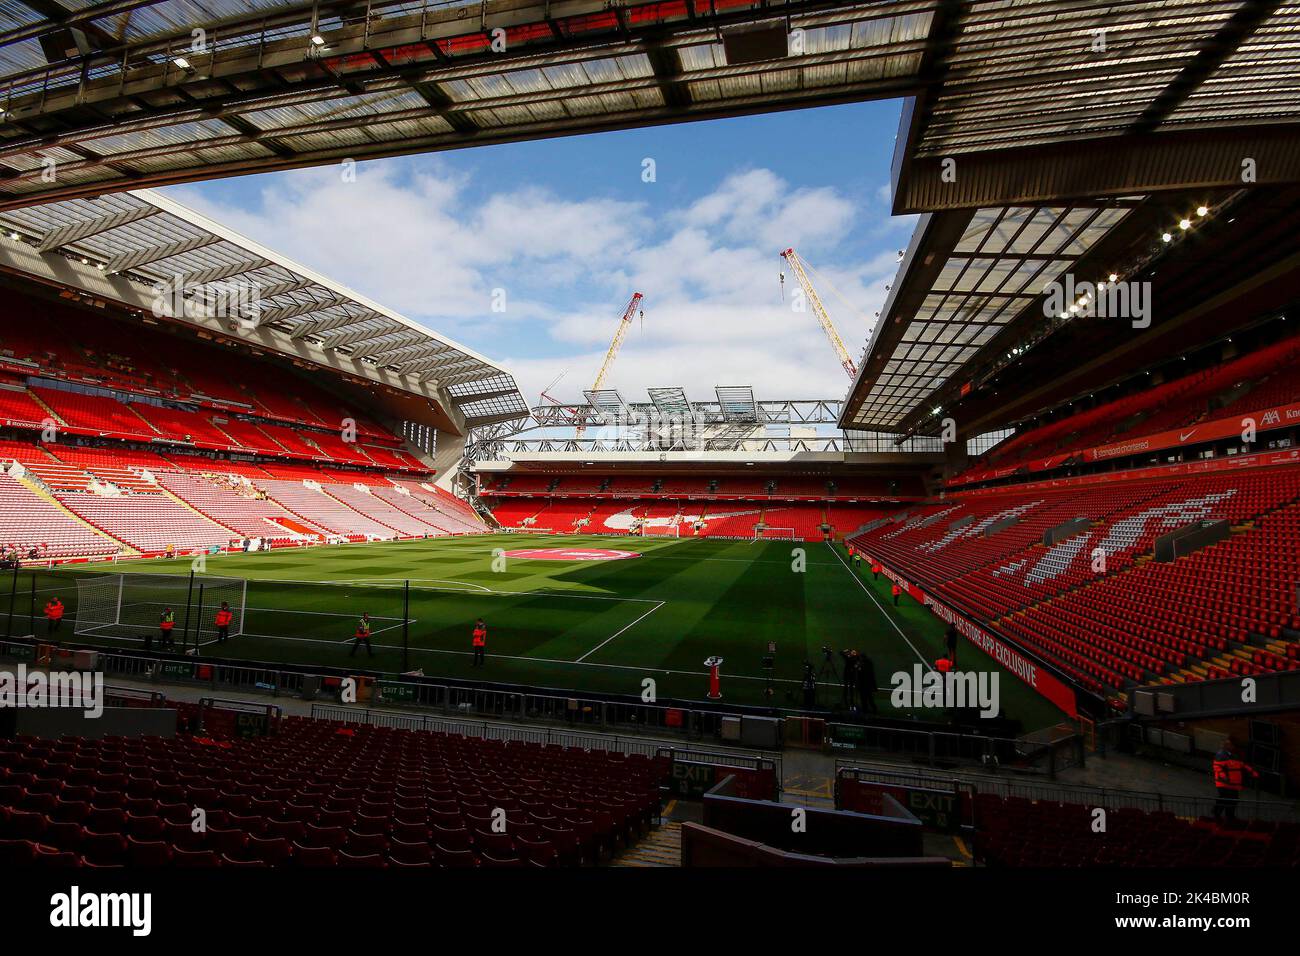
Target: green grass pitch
{"points": [[586, 625]]}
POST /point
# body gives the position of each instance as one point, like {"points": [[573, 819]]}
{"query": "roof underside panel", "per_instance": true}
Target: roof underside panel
{"points": [[997, 269], [256, 93], [161, 246]]}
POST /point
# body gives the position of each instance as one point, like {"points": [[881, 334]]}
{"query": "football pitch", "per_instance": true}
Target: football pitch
{"points": [[574, 614]]}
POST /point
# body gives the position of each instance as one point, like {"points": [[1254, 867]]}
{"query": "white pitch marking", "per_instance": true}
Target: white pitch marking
{"points": [[883, 612], [618, 632]]}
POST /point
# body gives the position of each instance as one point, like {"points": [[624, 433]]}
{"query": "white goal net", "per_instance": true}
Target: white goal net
{"points": [[775, 534], [129, 605]]}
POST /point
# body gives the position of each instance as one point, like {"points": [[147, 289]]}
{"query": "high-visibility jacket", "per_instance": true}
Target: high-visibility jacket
{"points": [[1229, 771], [167, 621], [54, 610], [363, 630], [943, 665], [851, 551], [480, 637], [895, 590], [224, 617], [876, 568]]}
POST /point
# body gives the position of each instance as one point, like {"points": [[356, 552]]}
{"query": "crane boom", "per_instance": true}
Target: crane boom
{"points": [[615, 345], [801, 276]]}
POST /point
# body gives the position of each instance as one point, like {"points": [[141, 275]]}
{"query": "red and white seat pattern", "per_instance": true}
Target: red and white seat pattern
{"points": [[28, 521], [1094, 603], [148, 523]]}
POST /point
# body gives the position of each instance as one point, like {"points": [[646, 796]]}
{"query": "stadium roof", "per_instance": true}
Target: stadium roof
{"points": [[151, 245], [120, 94], [1056, 138], [965, 278]]}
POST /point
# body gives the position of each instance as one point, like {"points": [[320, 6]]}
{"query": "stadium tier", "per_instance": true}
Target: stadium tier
{"points": [[696, 518], [124, 502], [1018, 832], [1073, 573], [317, 793], [1257, 386], [721, 487]]}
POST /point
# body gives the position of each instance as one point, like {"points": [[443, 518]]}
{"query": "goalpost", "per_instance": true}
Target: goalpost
{"points": [[128, 605], [776, 534], [660, 530]]}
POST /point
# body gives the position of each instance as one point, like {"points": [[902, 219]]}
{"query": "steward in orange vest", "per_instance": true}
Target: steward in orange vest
{"points": [[53, 615], [943, 665], [896, 591], [224, 617], [479, 642], [1229, 780], [875, 570]]}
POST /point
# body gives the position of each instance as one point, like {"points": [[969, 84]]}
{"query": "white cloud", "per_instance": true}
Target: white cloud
{"points": [[424, 241]]}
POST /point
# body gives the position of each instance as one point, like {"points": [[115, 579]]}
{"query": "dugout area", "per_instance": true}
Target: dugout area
{"points": [[589, 626]]}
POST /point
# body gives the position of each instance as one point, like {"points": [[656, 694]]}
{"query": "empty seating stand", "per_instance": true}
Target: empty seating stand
{"points": [[1095, 603], [1017, 832], [319, 793]]}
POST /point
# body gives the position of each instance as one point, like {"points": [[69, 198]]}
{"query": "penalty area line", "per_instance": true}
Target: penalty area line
{"points": [[618, 632]]}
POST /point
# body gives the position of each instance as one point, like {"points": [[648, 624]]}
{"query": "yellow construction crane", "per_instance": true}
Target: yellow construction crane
{"points": [[614, 346], [805, 283]]}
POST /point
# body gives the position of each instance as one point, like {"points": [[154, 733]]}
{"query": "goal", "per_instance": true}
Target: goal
{"points": [[776, 534], [660, 530], [128, 605]]}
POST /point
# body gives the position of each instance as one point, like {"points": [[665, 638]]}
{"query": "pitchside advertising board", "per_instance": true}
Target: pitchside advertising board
{"points": [[1045, 683]]}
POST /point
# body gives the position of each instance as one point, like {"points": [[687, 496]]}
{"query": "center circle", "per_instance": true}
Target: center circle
{"points": [[572, 554]]}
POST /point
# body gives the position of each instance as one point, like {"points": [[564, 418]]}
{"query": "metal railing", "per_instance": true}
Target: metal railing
{"points": [[1251, 806], [940, 747], [487, 730]]}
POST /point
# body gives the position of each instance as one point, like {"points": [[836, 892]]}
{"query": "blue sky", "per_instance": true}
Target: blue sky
{"points": [[564, 230]]}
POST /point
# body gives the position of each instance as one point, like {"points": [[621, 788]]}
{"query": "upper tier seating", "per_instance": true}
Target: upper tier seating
{"points": [[98, 414], [182, 425], [90, 348], [17, 408], [1258, 381]]}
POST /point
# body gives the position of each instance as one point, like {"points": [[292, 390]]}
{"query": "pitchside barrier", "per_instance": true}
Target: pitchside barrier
{"points": [[462, 701], [1250, 806]]}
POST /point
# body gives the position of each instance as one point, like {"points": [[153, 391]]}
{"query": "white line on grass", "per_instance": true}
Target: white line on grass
{"points": [[618, 632], [883, 613]]}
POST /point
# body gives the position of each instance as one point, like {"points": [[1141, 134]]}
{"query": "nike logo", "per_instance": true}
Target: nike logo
{"points": [[1184, 437]]}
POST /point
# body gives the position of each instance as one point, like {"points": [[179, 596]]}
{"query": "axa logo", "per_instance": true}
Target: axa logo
{"points": [[74, 909]]}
